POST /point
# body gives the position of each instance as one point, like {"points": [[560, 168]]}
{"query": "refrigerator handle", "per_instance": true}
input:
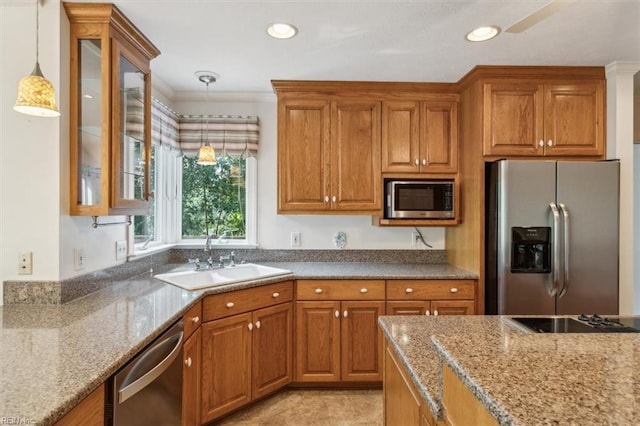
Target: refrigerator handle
{"points": [[565, 220], [556, 250]]}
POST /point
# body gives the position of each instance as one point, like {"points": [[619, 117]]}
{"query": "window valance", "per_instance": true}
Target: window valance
{"points": [[233, 135]]}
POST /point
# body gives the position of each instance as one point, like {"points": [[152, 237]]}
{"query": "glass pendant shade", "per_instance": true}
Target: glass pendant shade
{"points": [[206, 155], [36, 95]]}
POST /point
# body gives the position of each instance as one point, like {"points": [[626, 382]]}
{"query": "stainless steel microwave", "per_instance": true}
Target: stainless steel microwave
{"points": [[419, 199]]}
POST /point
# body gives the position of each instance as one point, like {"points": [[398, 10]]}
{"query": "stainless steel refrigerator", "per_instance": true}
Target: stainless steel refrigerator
{"points": [[551, 237]]}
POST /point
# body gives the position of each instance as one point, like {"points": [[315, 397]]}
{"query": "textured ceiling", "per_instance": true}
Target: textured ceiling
{"points": [[370, 40]]}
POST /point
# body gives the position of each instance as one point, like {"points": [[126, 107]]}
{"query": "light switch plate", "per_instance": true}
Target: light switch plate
{"points": [[121, 250], [78, 259]]}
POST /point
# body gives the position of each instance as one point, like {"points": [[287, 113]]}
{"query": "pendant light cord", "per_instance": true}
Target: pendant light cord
{"points": [[37, 31]]}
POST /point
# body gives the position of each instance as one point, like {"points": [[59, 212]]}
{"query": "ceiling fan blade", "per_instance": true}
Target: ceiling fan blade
{"points": [[543, 13]]}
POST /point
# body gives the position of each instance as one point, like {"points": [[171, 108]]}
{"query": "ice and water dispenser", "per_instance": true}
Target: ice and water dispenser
{"points": [[531, 249]]}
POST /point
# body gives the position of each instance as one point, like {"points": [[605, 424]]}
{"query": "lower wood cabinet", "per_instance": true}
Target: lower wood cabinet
{"points": [[191, 369], [339, 340], [244, 357], [89, 412], [461, 407]]}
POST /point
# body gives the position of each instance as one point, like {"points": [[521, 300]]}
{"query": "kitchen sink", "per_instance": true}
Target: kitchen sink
{"points": [[195, 280]]}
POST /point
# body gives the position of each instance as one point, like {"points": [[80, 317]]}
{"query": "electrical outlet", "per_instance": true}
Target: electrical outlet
{"points": [[295, 239], [121, 250], [415, 239], [25, 264], [78, 259]]}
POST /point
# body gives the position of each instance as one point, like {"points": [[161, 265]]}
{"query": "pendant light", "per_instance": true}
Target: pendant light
{"points": [[206, 155], [36, 95]]}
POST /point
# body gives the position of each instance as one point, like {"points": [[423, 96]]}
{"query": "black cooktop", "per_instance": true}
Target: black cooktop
{"points": [[584, 324]]}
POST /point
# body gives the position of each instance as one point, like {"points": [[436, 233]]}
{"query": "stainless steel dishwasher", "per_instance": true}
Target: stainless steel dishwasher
{"points": [[148, 389]]}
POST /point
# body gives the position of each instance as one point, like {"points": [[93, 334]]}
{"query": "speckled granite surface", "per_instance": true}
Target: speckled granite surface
{"points": [[52, 356], [523, 379]]}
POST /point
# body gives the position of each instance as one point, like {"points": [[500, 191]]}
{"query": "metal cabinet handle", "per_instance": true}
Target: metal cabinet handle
{"points": [[258, 324], [337, 314], [230, 305], [549, 142], [408, 290], [276, 294], [326, 198], [540, 143], [453, 290], [417, 162], [424, 161], [435, 313], [345, 314], [427, 313], [334, 199], [187, 362], [364, 290], [250, 326], [318, 290], [195, 320]]}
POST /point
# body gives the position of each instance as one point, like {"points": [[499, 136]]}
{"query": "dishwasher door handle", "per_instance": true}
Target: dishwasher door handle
{"points": [[138, 384]]}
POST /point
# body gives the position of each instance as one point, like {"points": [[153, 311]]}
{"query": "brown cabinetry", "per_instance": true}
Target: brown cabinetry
{"points": [[246, 347], [431, 297], [420, 136], [89, 412], [328, 155], [337, 336], [191, 367], [110, 111], [543, 118]]}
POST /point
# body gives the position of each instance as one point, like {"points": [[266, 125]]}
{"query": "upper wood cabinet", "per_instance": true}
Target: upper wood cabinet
{"points": [[420, 137], [328, 155], [110, 111], [539, 118]]}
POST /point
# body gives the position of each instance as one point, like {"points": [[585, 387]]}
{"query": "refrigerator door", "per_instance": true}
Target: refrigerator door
{"points": [[589, 192], [524, 191]]}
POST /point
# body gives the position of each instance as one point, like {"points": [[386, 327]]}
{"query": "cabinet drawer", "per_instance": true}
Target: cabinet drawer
{"points": [[340, 289], [235, 302], [430, 289], [192, 319]]}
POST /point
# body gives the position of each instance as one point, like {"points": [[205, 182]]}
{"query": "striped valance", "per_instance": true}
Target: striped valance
{"points": [[164, 125], [233, 135]]}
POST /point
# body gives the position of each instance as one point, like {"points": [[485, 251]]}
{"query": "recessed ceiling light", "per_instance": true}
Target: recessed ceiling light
{"points": [[282, 30], [483, 33]]}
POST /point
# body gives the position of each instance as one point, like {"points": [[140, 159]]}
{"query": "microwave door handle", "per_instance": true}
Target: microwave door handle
{"points": [[553, 289], [565, 225]]}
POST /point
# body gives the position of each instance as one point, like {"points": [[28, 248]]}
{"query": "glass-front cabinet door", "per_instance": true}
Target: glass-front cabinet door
{"points": [[110, 113]]}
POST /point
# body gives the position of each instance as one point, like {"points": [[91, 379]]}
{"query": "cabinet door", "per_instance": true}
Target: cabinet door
{"points": [[191, 380], [408, 307], [355, 156], [361, 341], [453, 307], [318, 341], [439, 137], [401, 401], [272, 349], [400, 137], [303, 155], [226, 365], [574, 119], [513, 119]]}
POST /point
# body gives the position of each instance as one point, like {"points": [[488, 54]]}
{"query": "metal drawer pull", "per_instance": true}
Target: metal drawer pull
{"points": [[549, 142], [326, 199], [417, 162], [230, 305], [318, 290], [195, 320], [424, 161], [257, 324], [453, 290], [250, 326], [276, 294], [337, 314], [334, 199], [408, 290], [187, 362], [541, 143], [427, 313], [363, 290], [345, 314], [435, 312]]}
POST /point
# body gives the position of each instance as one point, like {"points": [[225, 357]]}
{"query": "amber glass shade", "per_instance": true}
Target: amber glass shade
{"points": [[36, 95], [206, 155]]}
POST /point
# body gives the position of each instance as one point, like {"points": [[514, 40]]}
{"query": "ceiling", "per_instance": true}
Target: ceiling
{"points": [[402, 40]]}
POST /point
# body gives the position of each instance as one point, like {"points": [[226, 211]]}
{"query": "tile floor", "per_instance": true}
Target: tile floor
{"points": [[302, 407]]}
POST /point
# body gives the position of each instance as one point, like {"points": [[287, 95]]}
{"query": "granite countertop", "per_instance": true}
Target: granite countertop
{"points": [[523, 378], [55, 355]]}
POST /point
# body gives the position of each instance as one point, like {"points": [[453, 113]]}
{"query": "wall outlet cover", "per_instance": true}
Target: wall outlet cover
{"points": [[121, 250], [25, 263]]}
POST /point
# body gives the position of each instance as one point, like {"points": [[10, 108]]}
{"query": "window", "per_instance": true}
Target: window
{"points": [[144, 226], [214, 199]]}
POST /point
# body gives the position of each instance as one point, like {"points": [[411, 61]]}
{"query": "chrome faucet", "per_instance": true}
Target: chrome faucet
{"points": [[231, 258], [207, 249]]}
